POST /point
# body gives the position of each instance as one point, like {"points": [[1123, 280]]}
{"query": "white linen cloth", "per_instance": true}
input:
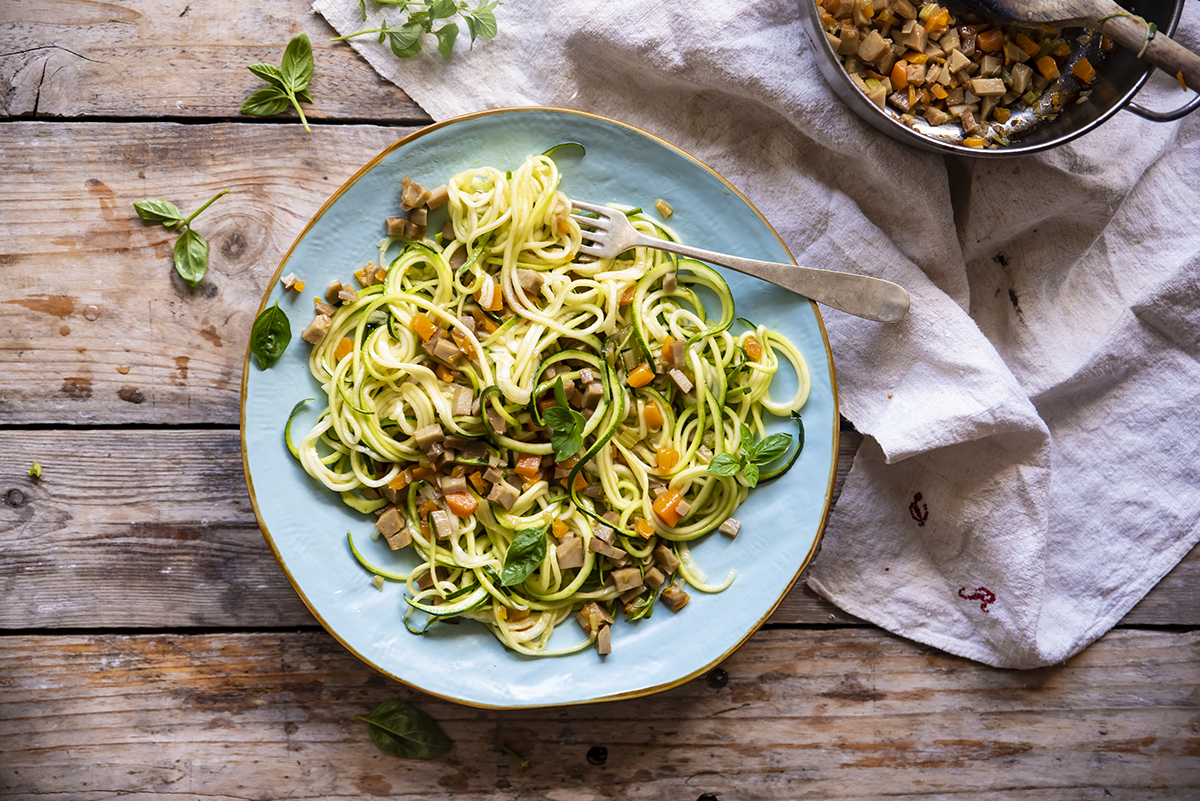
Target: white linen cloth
{"points": [[1030, 466]]}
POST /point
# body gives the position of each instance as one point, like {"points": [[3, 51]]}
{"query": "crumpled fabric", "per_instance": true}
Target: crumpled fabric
{"points": [[1028, 469]]}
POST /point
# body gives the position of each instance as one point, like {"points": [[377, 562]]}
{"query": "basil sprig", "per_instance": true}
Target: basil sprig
{"points": [[566, 425], [191, 249], [405, 38], [526, 553], [270, 336], [405, 731], [751, 456], [287, 84]]}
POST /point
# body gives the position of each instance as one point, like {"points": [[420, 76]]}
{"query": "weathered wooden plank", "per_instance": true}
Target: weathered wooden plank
{"points": [[843, 714], [95, 325], [153, 528], [176, 59]]}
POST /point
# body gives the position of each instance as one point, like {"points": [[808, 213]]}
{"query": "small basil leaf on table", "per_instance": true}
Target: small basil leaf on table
{"points": [[191, 256], [270, 335], [526, 553], [266, 101], [269, 73], [297, 67], [159, 211], [405, 731]]}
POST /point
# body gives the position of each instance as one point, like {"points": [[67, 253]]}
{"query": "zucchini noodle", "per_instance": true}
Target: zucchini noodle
{"points": [[540, 429]]}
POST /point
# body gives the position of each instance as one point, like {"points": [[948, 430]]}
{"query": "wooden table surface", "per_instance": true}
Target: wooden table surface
{"points": [[149, 643]]}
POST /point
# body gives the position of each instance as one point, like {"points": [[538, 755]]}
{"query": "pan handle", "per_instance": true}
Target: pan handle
{"points": [[1165, 116]]}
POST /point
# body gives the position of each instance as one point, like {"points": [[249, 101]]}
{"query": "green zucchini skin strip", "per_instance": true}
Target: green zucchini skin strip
{"points": [[379, 571], [287, 428]]}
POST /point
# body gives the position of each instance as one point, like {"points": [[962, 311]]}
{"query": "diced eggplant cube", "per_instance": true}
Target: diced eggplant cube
{"points": [[675, 598], [569, 552]]}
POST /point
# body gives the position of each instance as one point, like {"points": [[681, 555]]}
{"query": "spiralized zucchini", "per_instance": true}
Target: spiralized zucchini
{"points": [[455, 383]]}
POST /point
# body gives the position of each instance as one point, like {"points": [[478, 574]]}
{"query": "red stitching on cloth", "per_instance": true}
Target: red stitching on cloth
{"points": [[982, 594]]}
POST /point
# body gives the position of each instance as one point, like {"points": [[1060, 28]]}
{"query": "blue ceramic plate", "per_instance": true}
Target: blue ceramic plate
{"points": [[306, 525]]}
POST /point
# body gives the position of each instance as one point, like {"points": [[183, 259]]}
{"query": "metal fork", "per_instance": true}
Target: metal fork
{"points": [[871, 298]]}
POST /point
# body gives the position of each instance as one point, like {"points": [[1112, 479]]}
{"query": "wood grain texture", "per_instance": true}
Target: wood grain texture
{"points": [[168, 512], [95, 325], [179, 59], [838, 714]]}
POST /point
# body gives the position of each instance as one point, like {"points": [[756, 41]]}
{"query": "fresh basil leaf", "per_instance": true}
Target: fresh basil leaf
{"points": [[269, 73], [440, 9], [159, 211], [405, 731], [771, 448], [524, 556], [270, 336], [558, 418], [750, 471], [297, 66], [404, 40], [266, 101], [723, 464], [445, 37], [485, 21], [191, 256], [304, 96], [565, 444]]}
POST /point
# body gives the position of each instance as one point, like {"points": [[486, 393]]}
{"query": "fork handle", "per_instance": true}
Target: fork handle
{"points": [[859, 295]]}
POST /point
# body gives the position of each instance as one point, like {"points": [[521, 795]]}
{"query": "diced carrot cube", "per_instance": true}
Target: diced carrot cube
{"points": [[974, 141], [667, 458], [1001, 115], [401, 480], [938, 22], [427, 507], [1047, 67], [1062, 51], [478, 482], [900, 75], [463, 341], [990, 41], [1084, 71], [666, 349], [423, 327], [644, 527], [653, 415], [939, 92], [461, 504], [559, 528], [642, 375], [344, 348], [489, 295], [443, 372], [529, 465], [422, 471], [580, 482], [666, 506], [627, 296], [1028, 45]]}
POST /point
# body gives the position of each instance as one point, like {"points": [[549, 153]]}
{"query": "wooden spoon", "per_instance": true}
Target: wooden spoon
{"points": [[1106, 17]]}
